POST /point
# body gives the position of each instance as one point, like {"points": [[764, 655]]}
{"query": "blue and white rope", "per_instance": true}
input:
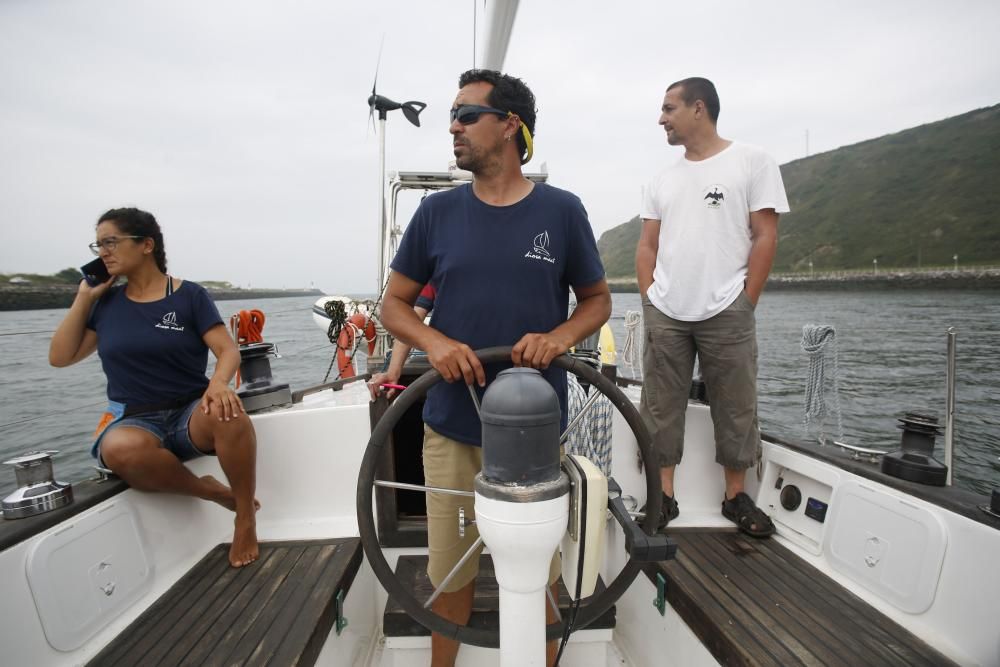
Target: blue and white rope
{"points": [[592, 437]]}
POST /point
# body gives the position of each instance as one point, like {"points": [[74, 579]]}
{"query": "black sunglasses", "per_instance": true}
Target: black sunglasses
{"points": [[467, 114]]}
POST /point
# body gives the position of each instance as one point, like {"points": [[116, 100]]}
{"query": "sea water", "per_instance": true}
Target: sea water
{"points": [[892, 356]]}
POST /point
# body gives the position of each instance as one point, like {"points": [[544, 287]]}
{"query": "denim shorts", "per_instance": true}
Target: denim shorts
{"points": [[169, 426]]}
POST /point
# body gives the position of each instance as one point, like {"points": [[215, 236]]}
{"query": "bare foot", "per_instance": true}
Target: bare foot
{"points": [[244, 549], [219, 493]]}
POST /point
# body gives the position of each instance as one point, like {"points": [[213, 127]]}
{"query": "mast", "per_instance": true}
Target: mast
{"points": [[499, 26]]}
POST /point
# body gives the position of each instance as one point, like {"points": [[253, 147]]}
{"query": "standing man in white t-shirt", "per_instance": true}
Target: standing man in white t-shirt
{"points": [[709, 234]]}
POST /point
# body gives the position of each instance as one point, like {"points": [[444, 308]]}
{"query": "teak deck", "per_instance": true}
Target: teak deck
{"points": [[754, 602], [277, 611]]}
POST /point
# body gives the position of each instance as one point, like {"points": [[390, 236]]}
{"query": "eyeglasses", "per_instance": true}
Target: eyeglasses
{"points": [[109, 243], [467, 114]]}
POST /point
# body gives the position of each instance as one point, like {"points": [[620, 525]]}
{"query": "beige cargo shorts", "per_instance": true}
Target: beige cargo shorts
{"points": [[454, 465]]}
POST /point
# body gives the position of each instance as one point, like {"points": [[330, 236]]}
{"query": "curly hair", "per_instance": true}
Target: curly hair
{"points": [[508, 94], [136, 222]]}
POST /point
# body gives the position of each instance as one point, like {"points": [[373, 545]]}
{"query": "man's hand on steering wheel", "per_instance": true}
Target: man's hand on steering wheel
{"points": [[455, 361], [537, 350]]}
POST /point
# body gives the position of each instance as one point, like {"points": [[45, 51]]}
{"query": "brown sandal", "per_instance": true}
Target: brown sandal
{"points": [[752, 520]]}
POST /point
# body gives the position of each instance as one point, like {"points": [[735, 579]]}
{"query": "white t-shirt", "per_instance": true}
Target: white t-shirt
{"points": [[704, 212]]}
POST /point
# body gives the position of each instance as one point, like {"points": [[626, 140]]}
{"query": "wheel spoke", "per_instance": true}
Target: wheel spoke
{"points": [[594, 395], [425, 489], [552, 602], [451, 575], [475, 400]]}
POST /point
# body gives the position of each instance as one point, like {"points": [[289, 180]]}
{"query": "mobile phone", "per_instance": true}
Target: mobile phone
{"points": [[95, 272]]}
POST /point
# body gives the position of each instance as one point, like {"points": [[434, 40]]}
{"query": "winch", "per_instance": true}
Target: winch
{"points": [[38, 490], [258, 390], [915, 461]]}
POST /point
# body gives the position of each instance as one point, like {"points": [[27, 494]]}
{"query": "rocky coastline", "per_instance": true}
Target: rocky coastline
{"points": [[36, 297]]}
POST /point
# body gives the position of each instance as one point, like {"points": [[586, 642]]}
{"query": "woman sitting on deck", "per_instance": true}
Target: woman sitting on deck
{"points": [[153, 334]]}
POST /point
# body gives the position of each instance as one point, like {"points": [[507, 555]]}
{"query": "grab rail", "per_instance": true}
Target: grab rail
{"points": [[336, 385], [860, 451], [949, 416]]}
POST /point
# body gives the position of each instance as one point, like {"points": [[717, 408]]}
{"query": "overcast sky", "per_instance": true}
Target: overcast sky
{"points": [[243, 125]]}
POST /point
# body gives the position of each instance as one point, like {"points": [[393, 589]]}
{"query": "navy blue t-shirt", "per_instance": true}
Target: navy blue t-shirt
{"points": [[500, 272], [153, 352]]}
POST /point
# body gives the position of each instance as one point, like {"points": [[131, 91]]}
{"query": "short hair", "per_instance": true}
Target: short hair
{"points": [[136, 222], [509, 94], [697, 88]]}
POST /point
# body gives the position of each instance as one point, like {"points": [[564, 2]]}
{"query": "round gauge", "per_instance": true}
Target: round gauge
{"points": [[791, 497]]}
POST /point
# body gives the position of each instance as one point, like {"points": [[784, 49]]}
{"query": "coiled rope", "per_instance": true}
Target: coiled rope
{"points": [[631, 355], [337, 312], [819, 342], [248, 326], [592, 437]]}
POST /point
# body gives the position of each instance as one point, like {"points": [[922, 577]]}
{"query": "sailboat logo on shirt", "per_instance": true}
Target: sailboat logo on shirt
{"points": [[540, 249], [169, 321], [541, 243], [714, 196]]}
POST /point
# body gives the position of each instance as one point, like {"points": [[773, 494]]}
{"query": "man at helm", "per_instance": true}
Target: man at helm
{"points": [[502, 252]]}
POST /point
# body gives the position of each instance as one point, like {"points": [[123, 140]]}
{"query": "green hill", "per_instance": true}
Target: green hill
{"points": [[915, 198]]}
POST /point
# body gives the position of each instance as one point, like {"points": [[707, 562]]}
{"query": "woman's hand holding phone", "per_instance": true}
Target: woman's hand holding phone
{"points": [[96, 279]]}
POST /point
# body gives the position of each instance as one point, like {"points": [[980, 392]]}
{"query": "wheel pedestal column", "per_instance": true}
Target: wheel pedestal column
{"points": [[522, 505]]}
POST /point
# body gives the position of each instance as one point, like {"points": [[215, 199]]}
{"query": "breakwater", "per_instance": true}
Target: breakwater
{"points": [[963, 279], [35, 297]]}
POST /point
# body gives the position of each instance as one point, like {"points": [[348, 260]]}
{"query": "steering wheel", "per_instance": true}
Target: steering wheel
{"points": [[599, 603]]}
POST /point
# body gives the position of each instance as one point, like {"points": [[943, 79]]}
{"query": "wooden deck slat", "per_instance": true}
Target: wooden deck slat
{"points": [[705, 613], [320, 603], [256, 639], [775, 596], [314, 584], [819, 605], [277, 611], [175, 627], [754, 602], [757, 647], [851, 615], [206, 570], [230, 629], [199, 640], [810, 641]]}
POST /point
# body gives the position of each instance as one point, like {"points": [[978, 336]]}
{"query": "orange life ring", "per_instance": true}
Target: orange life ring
{"points": [[347, 339]]}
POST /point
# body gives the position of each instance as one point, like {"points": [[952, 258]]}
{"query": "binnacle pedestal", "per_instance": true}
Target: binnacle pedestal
{"points": [[522, 505]]}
